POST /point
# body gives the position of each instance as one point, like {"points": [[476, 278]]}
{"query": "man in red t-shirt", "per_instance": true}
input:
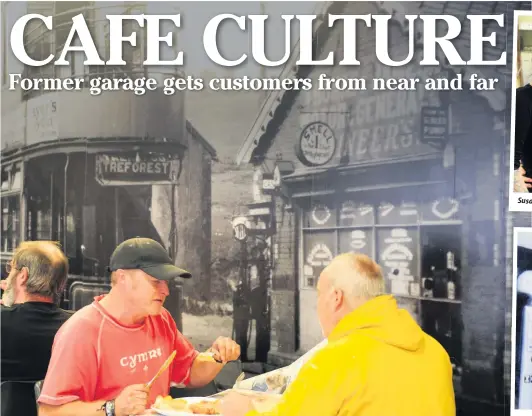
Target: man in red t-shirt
{"points": [[106, 352]]}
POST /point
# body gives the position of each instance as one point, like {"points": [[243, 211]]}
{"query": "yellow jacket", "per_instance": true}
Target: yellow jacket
{"points": [[378, 362]]}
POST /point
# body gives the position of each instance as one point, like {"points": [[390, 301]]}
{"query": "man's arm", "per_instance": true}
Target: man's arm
{"points": [[203, 372], [190, 368], [287, 374], [319, 390], [77, 408], [131, 401]]}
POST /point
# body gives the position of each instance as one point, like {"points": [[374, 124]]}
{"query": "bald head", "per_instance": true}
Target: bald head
{"points": [[45, 265], [348, 282], [357, 275], [48, 250]]}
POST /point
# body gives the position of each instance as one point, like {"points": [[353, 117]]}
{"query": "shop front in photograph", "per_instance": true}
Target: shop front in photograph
{"points": [[413, 179], [91, 172]]}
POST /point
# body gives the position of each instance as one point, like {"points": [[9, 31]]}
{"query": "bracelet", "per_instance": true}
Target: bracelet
{"points": [[109, 408]]}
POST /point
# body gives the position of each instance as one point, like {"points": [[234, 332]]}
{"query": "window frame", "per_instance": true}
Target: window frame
{"points": [[419, 303], [11, 169], [419, 226]]}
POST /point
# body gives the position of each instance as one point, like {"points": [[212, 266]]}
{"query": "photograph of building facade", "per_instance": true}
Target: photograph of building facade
{"points": [[91, 171], [414, 179]]}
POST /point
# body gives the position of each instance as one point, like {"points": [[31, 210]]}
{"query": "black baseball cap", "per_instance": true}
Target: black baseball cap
{"points": [[147, 255]]}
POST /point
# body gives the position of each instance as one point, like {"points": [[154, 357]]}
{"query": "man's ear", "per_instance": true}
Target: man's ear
{"points": [[120, 276], [22, 277], [339, 298]]}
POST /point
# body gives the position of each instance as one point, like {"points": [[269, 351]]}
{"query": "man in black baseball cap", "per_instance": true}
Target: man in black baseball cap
{"points": [[108, 351], [147, 255]]}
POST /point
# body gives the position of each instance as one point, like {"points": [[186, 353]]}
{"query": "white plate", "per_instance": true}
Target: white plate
{"points": [[190, 400]]}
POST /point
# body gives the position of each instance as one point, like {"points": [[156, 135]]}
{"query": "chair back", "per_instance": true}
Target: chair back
{"points": [[18, 398], [38, 388], [227, 377], [83, 293], [204, 391], [224, 380]]}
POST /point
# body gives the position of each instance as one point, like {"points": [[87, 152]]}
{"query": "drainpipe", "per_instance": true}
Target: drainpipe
{"points": [[65, 203]]}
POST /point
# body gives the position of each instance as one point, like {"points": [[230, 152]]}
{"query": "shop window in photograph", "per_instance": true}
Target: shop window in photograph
{"points": [[45, 181], [5, 180], [418, 244], [10, 222], [319, 248], [320, 215], [353, 214], [71, 232], [399, 259], [10, 207], [359, 240], [39, 218]]}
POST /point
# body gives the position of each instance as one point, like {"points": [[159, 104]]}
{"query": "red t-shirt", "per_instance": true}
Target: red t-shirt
{"points": [[94, 357]]}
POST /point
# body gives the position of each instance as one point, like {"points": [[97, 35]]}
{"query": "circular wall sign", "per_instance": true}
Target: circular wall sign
{"points": [[240, 228], [317, 144], [240, 232]]}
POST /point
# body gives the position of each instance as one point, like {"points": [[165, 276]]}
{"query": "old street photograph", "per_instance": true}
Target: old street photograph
{"points": [[255, 193]]}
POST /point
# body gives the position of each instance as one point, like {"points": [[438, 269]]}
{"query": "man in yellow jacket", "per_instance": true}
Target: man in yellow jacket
{"points": [[378, 361]]}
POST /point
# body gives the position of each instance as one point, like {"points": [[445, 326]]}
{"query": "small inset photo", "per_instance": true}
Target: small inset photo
{"points": [[521, 125], [522, 323]]}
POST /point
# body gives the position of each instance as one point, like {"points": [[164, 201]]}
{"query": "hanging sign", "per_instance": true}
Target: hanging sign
{"points": [[435, 126], [135, 168]]}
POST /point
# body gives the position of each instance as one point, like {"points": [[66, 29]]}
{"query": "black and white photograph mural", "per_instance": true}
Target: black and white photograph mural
{"points": [[256, 192]]}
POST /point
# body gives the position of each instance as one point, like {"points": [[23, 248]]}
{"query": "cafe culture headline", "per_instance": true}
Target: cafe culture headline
{"points": [[80, 40]]}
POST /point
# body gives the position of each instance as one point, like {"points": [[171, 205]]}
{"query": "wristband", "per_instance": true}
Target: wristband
{"points": [[109, 408]]}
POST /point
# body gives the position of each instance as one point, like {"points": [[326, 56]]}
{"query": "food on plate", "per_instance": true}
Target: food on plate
{"points": [[276, 380], [167, 403], [203, 407]]}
